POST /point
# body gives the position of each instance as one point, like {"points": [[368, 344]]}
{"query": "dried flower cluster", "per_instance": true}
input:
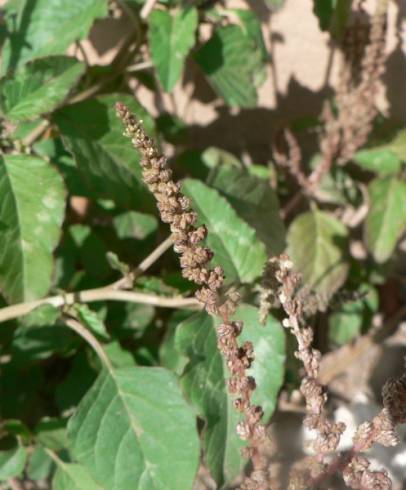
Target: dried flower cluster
{"points": [[175, 210], [356, 95], [328, 433], [347, 128], [353, 466]]}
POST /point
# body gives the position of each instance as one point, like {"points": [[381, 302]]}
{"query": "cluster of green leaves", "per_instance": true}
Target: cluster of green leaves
{"points": [[75, 215]]}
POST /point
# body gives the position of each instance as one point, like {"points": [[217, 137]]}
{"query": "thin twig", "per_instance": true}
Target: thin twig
{"points": [[143, 65], [90, 339], [146, 9], [98, 294], [36, 133], [129, 279]]}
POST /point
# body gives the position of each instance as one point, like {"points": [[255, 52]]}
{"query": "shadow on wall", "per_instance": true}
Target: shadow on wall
{"points": [[395, 75]]}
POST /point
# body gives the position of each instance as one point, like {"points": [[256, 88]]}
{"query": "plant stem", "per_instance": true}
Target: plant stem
{"points": [[97, 294], [128, 280], [146, 9], [36, 133], [143, 65], [90, 339]]}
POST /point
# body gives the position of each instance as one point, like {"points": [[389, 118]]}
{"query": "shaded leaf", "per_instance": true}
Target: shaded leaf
{"points": [[397, 145], [40, 464], [91, 320], [347, 323], [51, 433], [234, 243], [12, 461], [134, 225], [252, 28], [204, 382], [231, 62], [47, 27], [255, 202], [118, 355], [386, 219], [40, 335], [378, 160], [133, 429], [107, 162], [71, 476], [171, 36], [38, 87], [317, 245], [69, 392], [31, 215]]}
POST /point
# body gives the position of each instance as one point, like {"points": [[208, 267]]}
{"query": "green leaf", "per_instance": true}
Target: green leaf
{"points": [[378, 160], [169, 356], [317, 245], [386, 219], [324, 10], [234, 243], [231, 61], [69, 392], [252, 29], [31, 215], [91, 320], [40, 464], [91, 251], [71, 476], [352, 317], [119, 356], [40, 335], [171, 36], [397, 145], [129, 319], [47, 27], [38, 87], [107, 162], [133, 429], [255, 202], [204, 382], [134, 225], [12, 461], [51, 433]]}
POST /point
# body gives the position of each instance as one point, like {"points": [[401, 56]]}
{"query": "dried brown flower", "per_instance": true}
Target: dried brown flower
{"points": [[175, 210], [394, 399], [347, 128]]}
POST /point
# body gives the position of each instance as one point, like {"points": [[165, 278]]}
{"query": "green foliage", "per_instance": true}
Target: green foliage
{"points": [[386, 220], [73, 477], [111, 376], [234, 243], [317, 245], [38, 87], [255, 202], [12, 461], [378, 161], [107, 162], [171, 36], [232, 62], [204, 382], [31, 215], [47, 27], [115, 433], [353, 316]]}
